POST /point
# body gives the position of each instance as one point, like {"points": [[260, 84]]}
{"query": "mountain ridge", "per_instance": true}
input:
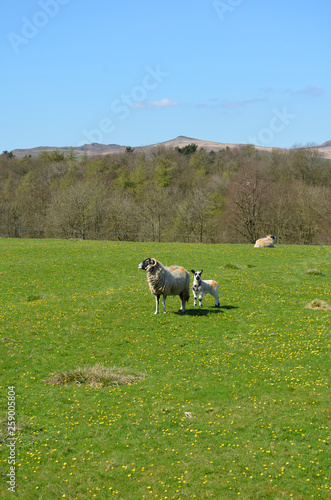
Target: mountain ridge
{"points": [[180, 141]]}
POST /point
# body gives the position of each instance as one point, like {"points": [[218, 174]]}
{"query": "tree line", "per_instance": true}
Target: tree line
{"points": [[170, 194]]}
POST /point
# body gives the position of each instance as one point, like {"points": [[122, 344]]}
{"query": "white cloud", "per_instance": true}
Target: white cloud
{"points": [[309, 91], [163, 103], [139, 105], [240, 104], [312, 91], [224, 104]]}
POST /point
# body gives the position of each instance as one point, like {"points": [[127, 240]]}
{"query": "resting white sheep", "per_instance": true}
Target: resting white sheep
{"points": [[201, 287], [268, 241], [162, 280]]}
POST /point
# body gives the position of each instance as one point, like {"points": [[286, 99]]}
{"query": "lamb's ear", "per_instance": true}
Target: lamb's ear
{"points": [[192, 271], [201, 271]]}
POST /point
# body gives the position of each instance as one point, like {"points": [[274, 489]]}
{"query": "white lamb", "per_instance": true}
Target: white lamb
{"points": [[266, 242], [162, 280], [201, 287]]}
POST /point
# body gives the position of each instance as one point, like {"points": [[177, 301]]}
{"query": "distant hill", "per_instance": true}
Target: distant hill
{"points": [[325, 149], [89, 149], [180, 141]]}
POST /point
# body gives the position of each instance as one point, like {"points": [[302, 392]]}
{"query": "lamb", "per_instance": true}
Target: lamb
{"points": [[163, 280], [202, 287], [268, 241]]}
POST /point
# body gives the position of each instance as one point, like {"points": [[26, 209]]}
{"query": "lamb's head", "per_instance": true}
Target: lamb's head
{"points": [[197, 275], [147, 264], [271, 236]]}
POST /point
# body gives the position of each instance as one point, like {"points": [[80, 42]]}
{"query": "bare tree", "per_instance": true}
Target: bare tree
{"points": [[157, 208], [246, 203], [197, 215], [307, 165], [122, 220], [309, 206], [13, 215], [76, 211]]}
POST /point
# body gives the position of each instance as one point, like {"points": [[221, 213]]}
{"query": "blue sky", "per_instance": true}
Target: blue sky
{"points": [[137, 73]]}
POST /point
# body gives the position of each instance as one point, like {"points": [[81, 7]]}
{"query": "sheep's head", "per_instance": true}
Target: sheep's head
{"points": [[147, 264], [197, 275]]}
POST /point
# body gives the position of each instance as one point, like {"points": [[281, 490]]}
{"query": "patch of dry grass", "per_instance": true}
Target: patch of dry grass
{"points": [[235, 266], [96, 376], [318, 304], [314, 272]]}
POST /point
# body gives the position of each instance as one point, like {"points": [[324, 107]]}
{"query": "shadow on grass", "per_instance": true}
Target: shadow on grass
{"points": [[203, 312], [199, 312]]}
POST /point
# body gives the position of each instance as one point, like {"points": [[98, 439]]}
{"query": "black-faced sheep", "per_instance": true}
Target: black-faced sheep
{"points": [[268, 241], [163, 280], [201, 287]]}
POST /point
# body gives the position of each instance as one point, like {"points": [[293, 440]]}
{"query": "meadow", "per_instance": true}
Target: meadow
{"points": [[223, 403]]}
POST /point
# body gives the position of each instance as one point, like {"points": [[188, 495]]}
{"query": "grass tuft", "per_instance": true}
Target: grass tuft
{"points": [[231, 266], [235, 266], [314, 272], [33, 298], [96, 376], [318, 304]]}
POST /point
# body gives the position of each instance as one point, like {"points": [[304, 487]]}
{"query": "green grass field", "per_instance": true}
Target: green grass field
{"points": [[229, 403]]}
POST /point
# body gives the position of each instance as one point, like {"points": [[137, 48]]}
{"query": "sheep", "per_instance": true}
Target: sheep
{"points": [[163, 280], [268, 241], [202, 287]]}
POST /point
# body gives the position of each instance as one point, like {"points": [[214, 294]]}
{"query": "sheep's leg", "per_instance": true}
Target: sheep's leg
{"points": [[215, 295], [182, 304], [157, 298], [200, 299], [163, 303]]}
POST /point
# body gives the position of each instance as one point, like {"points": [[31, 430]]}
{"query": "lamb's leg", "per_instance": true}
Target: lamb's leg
{"points": [[157, 298], [200, 299], [195, 297], [215, 295], [163, 303]]}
